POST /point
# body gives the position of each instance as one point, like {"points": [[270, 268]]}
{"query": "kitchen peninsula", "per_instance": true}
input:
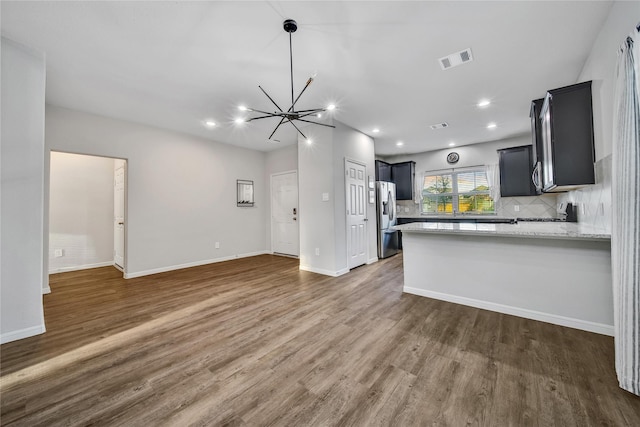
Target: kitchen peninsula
{"points": [[556, 272]]}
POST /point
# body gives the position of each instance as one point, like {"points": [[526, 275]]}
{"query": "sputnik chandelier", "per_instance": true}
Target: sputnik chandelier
{"points": [[291, 114]]}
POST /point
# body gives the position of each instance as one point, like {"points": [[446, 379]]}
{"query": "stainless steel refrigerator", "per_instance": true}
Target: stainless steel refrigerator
{"points": [[386, 213]]}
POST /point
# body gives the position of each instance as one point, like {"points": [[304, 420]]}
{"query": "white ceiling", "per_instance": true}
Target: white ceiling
{"points": [[176, 64]]}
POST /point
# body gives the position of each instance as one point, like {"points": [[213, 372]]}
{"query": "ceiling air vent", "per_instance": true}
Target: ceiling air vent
{"points": [[439, 126], [456, 59]]}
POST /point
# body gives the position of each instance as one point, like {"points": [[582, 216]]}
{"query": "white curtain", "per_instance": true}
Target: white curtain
{"points": [[493, 179], [419, 183], [625, 238]]}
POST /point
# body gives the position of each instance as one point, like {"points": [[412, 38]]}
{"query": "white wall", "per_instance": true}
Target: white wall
{"points": [[316, 217], [181, 195], [601, 67], [353, 145], [473, 155], [283, 160], [595, 200], [470, 155], [321, 170], [22, 152], [80, 211]]}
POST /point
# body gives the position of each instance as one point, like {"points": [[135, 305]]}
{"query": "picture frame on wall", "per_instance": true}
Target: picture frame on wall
{"points": [[245, 193]]}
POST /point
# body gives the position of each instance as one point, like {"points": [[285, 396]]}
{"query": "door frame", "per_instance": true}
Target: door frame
{"points": [[366, 204], [126, 211], [125, 219], [271, 208]]}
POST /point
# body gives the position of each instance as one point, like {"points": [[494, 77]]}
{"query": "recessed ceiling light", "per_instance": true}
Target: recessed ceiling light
{"points": [[210, 123], [492, 126], [319, 115], [399, 143], [483, 103], [451, 144], [239, 120], [242, 108], [309, 141], [375, 130], [331, 107]]}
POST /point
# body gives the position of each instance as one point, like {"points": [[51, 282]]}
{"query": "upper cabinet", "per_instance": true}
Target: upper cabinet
{"points": [[516, 166], [566, 132], [383, 171], [403, 175]]}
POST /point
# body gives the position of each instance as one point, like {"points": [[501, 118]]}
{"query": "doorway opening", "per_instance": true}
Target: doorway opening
{"points": [[285, 232], [87, 212]]}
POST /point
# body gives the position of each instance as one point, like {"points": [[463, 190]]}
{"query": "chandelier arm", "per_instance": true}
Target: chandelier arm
{"points": [[299, 131], [270, 99], [312, 111], [275, 113], [292, 108], [274, 131], [316, 123], [259, 117], [291, 62]]}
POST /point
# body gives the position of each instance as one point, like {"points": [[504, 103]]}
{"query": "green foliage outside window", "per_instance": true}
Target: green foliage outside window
{"points": [[461, 192]]}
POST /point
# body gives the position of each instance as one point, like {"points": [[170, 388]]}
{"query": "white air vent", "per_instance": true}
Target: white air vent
{"points": [[456, 59], [439, 126]]}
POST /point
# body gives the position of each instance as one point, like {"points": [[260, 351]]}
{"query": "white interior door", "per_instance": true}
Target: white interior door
{"points": [[284, 214], [118, 216], [356, 213]]}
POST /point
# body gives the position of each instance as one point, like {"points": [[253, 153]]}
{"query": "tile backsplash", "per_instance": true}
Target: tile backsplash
{"points": [[544, 206], [594, 201]]}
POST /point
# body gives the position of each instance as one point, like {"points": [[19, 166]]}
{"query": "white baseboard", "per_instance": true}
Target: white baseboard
{"points": [[372, 260], [191, 264], [22, 333], [585, 325], [46, 290], [80, 267], [323, 271]]}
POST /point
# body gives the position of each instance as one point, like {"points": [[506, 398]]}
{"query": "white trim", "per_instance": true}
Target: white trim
{"points": [[80, 267], [323, 271], [191, 264], [46, 290], [22, 333], [585, 325], [372, 260]]}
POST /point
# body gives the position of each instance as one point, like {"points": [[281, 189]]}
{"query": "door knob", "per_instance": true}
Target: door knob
{"points": [[121, 223], [294, 219]]}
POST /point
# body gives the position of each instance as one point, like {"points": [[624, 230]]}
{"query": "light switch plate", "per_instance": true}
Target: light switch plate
{"points": [[325, 197]]}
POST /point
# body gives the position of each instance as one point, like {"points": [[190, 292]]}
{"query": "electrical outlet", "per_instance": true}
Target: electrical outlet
{"points": [[217, 245], [58, 253], [317, 251], [406, 209], [516, 208]]}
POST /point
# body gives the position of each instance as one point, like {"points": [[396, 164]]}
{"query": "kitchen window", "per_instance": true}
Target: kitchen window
{"points": [[457, 191]]}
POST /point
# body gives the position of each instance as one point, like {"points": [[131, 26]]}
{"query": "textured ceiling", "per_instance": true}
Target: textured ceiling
{"points": [[176, 64]]}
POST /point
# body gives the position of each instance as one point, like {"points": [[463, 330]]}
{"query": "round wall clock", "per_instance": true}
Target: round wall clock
{"points": [[453, 157]]}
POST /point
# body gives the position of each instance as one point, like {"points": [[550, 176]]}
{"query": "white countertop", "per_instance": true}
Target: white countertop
{"points": [[538, 230]]}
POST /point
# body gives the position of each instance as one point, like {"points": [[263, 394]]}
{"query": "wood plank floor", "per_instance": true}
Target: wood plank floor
{"points": [[257, 342]]}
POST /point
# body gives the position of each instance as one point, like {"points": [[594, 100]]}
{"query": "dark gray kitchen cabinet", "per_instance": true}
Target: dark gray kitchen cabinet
{"points": [[403, 175], [383, 171], [516, 167], [568, 153]]}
